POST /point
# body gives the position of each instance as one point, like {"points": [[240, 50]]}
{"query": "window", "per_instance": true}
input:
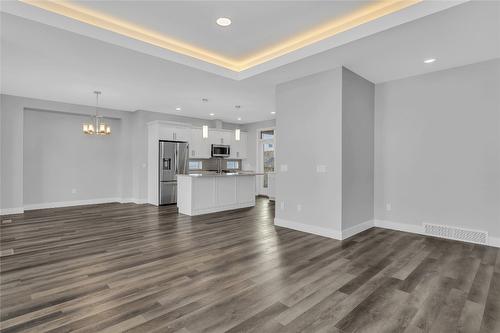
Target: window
{"points": [[267, 135], [233, 164], [195, 165]]}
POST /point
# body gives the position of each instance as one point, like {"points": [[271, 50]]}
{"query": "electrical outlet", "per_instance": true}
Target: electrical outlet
{"points": [[388, 207], [299, 207], [282, 205], [73, 190]]}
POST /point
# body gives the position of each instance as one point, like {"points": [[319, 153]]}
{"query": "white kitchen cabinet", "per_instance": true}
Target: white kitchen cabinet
{"points": [[198, 146], [167, 132], [219, 137], [239, 148]]}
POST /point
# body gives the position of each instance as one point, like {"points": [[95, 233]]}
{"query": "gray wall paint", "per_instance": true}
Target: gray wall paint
{"points": [[309, 134], [59, 157], [358, 95], [129, 144], [437, 151]]}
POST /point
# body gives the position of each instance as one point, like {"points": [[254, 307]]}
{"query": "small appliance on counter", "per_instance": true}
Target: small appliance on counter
{"points": [[173, 160]]}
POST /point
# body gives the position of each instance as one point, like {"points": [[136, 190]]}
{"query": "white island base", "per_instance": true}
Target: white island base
{"points": [[203, 194]]}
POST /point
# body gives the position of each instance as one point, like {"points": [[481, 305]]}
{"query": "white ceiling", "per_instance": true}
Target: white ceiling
{"points": [[255, 25], [44, 62]]}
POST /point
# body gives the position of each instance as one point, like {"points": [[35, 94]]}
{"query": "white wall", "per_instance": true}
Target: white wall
{"points": [[357, 149], [437, 148], [309, 123], [59, 157]]}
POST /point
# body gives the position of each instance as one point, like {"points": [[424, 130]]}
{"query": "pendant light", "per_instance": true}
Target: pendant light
{"points": [[97, 126]]}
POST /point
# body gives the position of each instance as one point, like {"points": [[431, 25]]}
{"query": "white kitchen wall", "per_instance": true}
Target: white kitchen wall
{"points": [[437, 149], [309, 123], [358, 96]]}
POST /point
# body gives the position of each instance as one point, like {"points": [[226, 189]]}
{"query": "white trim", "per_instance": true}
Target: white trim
{"points": [[494, 241], [70, 203], [419, 229], [133, 200], [11, 211], [413, 228], [349, 232], [312, 229]]}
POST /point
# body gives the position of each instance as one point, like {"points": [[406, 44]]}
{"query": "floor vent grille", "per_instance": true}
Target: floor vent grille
{"points": [[466, 235]]}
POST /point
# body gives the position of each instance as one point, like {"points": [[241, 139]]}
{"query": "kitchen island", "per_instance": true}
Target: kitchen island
{"points": [[203, 193]]}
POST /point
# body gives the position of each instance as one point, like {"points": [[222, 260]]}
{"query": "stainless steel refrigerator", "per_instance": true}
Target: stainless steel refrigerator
{"points": [[173, 161]]}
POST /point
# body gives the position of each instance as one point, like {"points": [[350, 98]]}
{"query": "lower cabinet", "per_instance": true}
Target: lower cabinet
{"points": [[209, 194]]}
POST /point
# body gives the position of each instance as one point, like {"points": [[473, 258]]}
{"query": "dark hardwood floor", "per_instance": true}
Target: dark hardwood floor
{"points": [[139, 268]]}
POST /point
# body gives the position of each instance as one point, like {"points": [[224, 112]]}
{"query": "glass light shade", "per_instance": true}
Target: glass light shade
{"points": [[85, 128], [205, 131], [237, 134], [108, 130], [102, 128], [91, 129]]}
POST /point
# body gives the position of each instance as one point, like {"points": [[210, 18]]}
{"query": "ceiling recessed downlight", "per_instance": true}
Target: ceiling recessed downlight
{"points": [[239, 118], [212, 114], [223, 21], [429, 61], [178, 109], [273, 112]]}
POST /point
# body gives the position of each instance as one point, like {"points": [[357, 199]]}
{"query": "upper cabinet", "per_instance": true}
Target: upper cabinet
{"points": [[174, 133], [219, 137], [198, 146]]}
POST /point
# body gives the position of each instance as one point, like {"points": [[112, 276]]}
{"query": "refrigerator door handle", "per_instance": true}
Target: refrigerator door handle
{"points": [[177, 159]]}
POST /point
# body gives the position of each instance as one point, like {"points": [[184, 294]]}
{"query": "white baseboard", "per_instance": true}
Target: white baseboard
{"points": [[133, 200], [494, 241], [70, 203], [349, 232], [320, 231], [10, 211]]}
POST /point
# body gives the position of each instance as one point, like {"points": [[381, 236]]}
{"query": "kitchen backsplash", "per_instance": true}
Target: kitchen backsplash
{"points": [[210, 164]]}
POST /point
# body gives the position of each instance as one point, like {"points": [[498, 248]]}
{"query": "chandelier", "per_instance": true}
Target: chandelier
{"points": [[97, 125]]}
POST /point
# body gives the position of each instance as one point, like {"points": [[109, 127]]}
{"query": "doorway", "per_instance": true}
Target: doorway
{"points": [[266, 161]]}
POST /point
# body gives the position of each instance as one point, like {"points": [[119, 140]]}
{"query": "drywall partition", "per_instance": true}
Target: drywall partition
{"points": [[251, 162], [358, 98], [11, 170], [437, 150], [309, 154]]}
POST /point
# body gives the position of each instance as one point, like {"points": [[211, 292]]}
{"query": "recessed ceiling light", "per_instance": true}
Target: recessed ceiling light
{"points": [[212, 114], [239, 118], [429, 61], [273, 112], [223, 21], [178, 109]]}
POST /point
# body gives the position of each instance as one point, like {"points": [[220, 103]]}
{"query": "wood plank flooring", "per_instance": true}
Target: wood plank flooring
{"points": [[139, 268]]}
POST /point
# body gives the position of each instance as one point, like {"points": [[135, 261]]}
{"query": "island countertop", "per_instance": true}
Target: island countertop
{"points": [[224, 174]]}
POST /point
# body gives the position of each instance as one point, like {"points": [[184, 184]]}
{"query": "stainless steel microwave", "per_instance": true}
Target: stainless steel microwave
{"points": [[220, 151]]}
